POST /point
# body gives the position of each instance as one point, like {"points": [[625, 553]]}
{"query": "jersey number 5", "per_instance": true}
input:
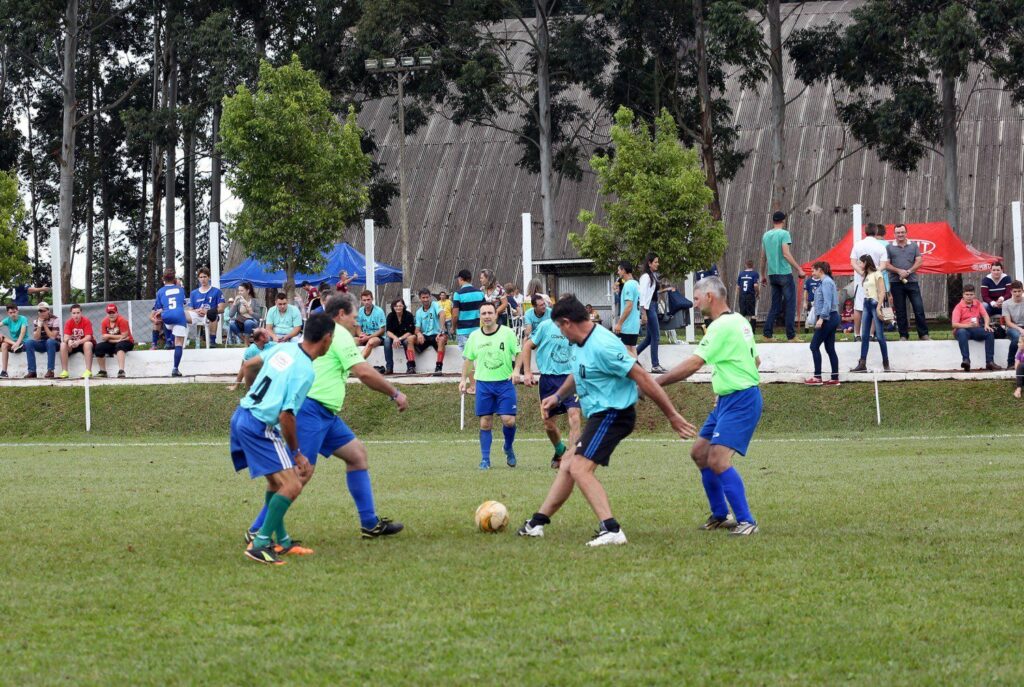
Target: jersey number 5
{"points": [[172, 303]]}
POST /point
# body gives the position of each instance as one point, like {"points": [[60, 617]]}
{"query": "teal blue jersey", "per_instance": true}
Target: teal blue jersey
{"points": [[428, 320], [253, 350], [368, 324], [282, 383], [533, 320], [600, 366], [631, 292], [552, 349]]}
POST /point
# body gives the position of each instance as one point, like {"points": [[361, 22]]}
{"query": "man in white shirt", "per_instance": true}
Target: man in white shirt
{"points": [[869, 245]]}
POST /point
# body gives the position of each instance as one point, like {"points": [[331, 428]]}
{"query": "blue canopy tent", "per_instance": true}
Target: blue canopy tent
{"points": [[341, 257]]}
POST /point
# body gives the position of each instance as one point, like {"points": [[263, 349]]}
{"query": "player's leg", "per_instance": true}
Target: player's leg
{"points": [[410, 356], [558, 494], [486, 406], [602, 434], [179, 332], [507, 409], [737, 416], [719, 517], [357, 479]]}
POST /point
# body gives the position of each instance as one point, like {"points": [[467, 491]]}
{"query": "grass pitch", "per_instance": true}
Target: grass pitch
{"points": [[879, 562]]}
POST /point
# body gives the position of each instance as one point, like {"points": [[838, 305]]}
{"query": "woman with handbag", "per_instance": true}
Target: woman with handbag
{"points": [[650, 288], [874, 298]]}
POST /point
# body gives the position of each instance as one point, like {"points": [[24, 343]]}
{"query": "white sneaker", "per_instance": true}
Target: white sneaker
{"points": [[527, 531], [604, 538], [744, 529]]}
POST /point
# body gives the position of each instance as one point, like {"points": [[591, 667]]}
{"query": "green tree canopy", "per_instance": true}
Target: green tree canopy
{"points": [[658, 201], [14, 265], [300, 173]]}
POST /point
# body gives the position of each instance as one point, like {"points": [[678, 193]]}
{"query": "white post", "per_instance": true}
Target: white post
{"points": [[371, 262], [527, 251], [858, 232], [688, 292], [57, 295], [215, 254], [1018, 249], [878, 406], [88, 407]]}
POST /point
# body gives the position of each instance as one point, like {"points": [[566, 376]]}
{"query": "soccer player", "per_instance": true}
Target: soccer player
{"points": [[277, 393], [553, 362], [371, 324], [728, 347], [208, 302], [491, 351], [170, 306], [431, 325], [628, 325], [606, 379], [260, 340], [537, 314], [322, 433]]}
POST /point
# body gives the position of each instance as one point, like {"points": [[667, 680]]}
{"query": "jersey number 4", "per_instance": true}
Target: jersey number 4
{"points": [[260, 390]]}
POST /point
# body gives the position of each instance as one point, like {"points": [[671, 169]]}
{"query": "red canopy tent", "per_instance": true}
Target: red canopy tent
{"points": [[944, 252]]}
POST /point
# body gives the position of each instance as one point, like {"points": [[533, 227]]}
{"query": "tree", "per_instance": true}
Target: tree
{"points": [[14, 265], [300, 173], [659, 200]]}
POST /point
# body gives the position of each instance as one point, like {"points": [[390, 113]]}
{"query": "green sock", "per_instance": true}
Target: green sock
{"points": [[276, 509], [560, 449]]}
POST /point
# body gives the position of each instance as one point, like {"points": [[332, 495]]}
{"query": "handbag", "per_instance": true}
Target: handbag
{"points": [[888, 315]]}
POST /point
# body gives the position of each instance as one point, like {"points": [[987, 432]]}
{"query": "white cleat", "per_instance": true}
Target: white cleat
{"points": [[606, 538], [527, 531], [744, 529]]}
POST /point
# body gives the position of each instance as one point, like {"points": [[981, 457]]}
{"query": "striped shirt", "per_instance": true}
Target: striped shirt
{"points": [[468, 300]]}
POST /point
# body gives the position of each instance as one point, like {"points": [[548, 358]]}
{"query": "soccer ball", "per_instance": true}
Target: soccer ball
{"points": [[491, 516]]}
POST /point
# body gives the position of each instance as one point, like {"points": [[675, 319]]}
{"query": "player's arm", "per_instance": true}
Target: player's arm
{"points": [[651, 389], [525, 365], [681, 371], [365, 373], [251, 368], [628, 308]]}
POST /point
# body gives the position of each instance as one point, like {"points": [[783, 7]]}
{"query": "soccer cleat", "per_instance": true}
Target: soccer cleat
{"points": [[264, 555], [292, 549], [485, 464], [713, 523], [606, 538], [64, 374], [744, 529], [527, 531], [383, 528], [101, 373], [813, 381], [556, 463], [510, 457], [175, 373], [121, 374], [250, 535]]}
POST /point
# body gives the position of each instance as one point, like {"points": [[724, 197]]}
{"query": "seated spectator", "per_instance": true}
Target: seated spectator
{"points": [[1013, 319], [995, 289], [401, 331], [846, 317], [45, 338], [537, 313], [13, 338], [284, 321], [208, 303], [260, 340], [593, 315], [430, 329], [971, 322], [445, 302], [371, 325], [244, 314], [78, 338], [1020, 367], [116, 335]]}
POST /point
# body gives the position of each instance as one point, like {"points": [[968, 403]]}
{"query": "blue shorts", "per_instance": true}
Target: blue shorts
{"points": [[733, 420], [256, 446], [320, 431], [549, 386], [495, 397]]}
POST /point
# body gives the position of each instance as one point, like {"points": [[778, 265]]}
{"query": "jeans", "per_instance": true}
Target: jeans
{"points": [[867, 318], [653, 333], [50, 346], [826, 335], [783, 296], [246, 327], [1014, 336], [389, 353], [900, 293], [976, 334]]}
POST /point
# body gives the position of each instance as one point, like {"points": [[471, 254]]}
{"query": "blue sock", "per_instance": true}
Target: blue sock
{"points": [[485, 444], [716, 495], [362, 493], [156, 338], [177, 356], [258, 522], [732, 483], [510, 436]]}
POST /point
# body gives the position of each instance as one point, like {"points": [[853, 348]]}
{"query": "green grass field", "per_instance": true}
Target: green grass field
{"points": [[880, 562]]}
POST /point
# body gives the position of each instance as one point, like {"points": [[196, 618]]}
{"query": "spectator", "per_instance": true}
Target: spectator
{"points": [[537, 313], [810, 288], [904, 260], [466, 307], [446, 305], [995, 289], [846, 317], [1020, 367], [45, 338], [117, 340], [873, 287], [78, 338], [260, 340], [319, 299], [401, 331], [593, 315], [880, 238], [650, 288], [879, 257], [431, 326], [1013, 319], [284, 321], [370, 325], [14, 338], [343, 281], [515, 301], [534, 287], [971, 323], [244, 315], [826, 320], [709, 272], [749, 290], [778, 264], [627, 327], [494, 294], [22, 293], [208, 302]]}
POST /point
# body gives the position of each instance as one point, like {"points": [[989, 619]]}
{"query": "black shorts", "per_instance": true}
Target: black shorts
{"points": [[429, 341], [748, 304], [603, 432], [77, 349], [629, 339], [105, 348]]}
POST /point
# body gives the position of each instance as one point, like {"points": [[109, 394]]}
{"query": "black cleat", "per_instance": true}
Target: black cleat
{"points": [[264, 555], [383, 528], [250, 535]]}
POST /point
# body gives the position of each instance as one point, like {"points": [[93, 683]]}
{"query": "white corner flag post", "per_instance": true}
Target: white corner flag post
{"points": [[878, 406], [691, 335], [369, 248], [858, 227], [462, 411], [527, 251], [88, 406], [1018, 248]]}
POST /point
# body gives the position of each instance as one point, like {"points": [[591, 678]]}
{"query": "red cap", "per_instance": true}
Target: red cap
{"points": [[111, 308]]}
